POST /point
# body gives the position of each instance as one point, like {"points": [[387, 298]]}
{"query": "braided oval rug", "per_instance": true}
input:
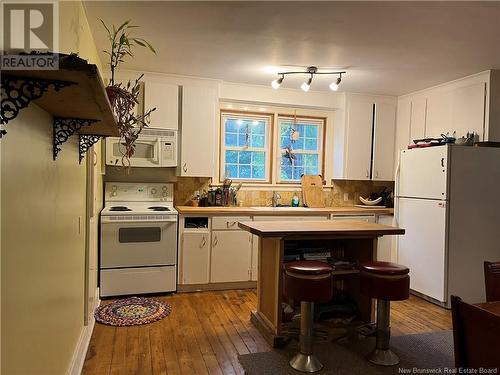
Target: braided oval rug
{"points": [[132, 311]]}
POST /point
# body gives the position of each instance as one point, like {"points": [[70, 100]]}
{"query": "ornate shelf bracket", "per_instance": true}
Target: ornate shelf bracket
{"points": [[18, 92], [65, 128], [84, 143]]}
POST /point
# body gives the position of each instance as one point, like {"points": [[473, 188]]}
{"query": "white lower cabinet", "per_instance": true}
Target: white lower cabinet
{"points": [[195, 257], [231, 256], [384, 243]]}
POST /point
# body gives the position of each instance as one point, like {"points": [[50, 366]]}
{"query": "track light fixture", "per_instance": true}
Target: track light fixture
{"points": [[312, 70], [277, 82]]}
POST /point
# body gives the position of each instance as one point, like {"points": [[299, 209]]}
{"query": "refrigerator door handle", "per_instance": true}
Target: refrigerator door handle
{"points": [[442, 162]]}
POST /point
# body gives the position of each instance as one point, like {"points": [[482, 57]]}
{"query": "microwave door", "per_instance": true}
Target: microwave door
{"points": [[146, 154]]}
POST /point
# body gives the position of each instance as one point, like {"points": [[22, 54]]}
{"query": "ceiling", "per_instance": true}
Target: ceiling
{"points": [[386, 47]]}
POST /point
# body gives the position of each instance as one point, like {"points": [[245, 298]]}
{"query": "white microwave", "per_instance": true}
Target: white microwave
{"points": [[153, 148]]}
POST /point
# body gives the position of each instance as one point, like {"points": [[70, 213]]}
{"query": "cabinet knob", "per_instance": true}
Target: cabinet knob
{"points": [[376, 174], [215, 241], [367, 174], [203, 242], [184, 167]]}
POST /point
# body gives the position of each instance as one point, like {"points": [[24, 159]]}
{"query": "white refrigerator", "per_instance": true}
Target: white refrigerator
{"points": [[448, 201]]}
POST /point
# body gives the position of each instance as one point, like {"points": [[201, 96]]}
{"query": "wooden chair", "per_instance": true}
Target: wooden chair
{"points": [[476, 334], [492, 281]]}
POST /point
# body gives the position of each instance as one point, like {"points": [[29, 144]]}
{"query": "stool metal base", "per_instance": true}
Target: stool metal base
{"points": [[306, 363], [384, 357]]}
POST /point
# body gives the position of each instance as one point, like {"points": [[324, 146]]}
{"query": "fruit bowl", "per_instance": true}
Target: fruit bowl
{"points": [[369, 202]]}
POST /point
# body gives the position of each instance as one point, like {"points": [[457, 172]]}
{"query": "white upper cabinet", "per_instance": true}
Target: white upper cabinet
{"points": [[165, 98], [197, 131], [417, 119], [467, 110], [368, 148], [358, 139], [439, 119], [463, 106], [383, 142]]}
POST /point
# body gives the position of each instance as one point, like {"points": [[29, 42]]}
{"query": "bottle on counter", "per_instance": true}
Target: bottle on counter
{"points": [[295, 200]]}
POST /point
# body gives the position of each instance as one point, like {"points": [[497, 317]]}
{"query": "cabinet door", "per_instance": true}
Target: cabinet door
{"points": [[231, 253], [198, 131], [438, 119], [383, 142], [165, 98], [468, 110], [417, 120], [195, 252], [255, 257], [384, 243], [359, 140]]}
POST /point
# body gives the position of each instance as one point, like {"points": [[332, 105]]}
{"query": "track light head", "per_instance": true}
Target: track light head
{"points": [[277, 82], [307, 85], [334, 86]]}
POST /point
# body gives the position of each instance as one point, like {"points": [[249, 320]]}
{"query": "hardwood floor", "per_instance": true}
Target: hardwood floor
{"points": [[206, 331]]}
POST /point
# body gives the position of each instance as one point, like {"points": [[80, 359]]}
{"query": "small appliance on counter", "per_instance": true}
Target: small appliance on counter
{"points": [[380, 200], [138, 239]]}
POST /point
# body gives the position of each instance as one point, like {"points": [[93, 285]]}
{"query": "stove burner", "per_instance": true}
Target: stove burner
{"points": [[158, 208], [120, 208]]}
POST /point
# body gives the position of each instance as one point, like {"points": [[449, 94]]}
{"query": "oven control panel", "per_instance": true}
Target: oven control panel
{"points": [[137, 192]]}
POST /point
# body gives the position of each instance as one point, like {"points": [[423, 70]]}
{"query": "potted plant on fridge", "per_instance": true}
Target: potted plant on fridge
{"points": [[124, 97]]}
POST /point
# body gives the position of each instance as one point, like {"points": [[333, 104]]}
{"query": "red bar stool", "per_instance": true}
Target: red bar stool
{"points": [[309, 282], [386, 282]]}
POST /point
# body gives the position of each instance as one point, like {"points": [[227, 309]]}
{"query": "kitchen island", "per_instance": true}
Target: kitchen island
{"points": [[355, 241]]}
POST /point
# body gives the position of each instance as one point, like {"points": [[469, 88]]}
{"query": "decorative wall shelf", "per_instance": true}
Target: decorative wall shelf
{"points": [[74, 94]]}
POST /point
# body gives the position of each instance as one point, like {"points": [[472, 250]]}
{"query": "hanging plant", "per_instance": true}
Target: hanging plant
{"points": [[124, 97]]}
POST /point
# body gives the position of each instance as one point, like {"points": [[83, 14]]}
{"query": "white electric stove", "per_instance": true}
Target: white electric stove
{"points": [[138, 239]]}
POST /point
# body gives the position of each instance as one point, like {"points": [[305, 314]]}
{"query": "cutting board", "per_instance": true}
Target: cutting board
{"points": [[312, 191]]}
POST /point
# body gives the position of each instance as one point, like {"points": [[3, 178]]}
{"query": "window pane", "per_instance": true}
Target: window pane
{"points": [[258, 141], [231, 171], [259, 158], [245, 157], [231, 139], [258, 172], [245, 171], [311, 144], [242, 140], [312, 131], [259, 127], [232, 157], [286, 170], [312, 170], [231, 125], [311, 159], [297, 173]]}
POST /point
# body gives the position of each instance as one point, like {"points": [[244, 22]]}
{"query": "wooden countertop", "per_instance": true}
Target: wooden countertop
{"points": [[351, 228], [252, 211]]}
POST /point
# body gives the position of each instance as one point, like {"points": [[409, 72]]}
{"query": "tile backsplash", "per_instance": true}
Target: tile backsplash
{"points": [[185, 187]]}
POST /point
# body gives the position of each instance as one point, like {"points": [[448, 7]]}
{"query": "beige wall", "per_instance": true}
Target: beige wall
{"points": [[43, 232]]}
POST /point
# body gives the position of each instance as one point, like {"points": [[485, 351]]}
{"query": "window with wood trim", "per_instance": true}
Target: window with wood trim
{"points": [[245, 147], [300, 143]]}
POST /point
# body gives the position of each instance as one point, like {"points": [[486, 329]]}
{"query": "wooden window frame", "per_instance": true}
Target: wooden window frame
{"points": [[268, 146], [279, 151]]}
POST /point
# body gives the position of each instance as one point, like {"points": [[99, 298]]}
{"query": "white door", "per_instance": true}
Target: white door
{"points": [[359, 140], [417, 120], [468, 109], [165, 98], [422, 248], [383, 142], [231, 256], [423, 173], [197, 133], [194, 255]]}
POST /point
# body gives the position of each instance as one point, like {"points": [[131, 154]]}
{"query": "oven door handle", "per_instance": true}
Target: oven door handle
{"points": [[156, 221]]}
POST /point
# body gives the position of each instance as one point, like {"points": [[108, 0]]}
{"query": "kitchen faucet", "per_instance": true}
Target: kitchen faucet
{"points": [[275, 199]]}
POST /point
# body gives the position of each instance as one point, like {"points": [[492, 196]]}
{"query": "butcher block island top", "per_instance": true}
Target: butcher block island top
{"points": [[350, 228], [262, 210]]}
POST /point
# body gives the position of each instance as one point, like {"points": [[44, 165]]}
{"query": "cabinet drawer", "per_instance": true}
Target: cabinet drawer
{"points": [[228, 222], [290, 218]]}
